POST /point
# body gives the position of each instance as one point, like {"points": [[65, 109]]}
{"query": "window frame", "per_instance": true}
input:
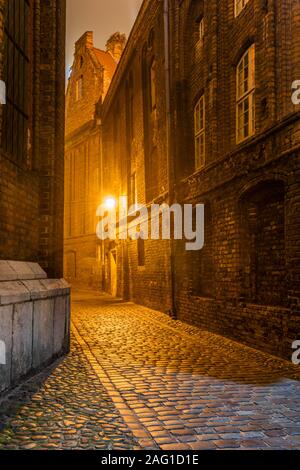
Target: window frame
{"points": [[245, 95], [199, 133], [17, 76]]}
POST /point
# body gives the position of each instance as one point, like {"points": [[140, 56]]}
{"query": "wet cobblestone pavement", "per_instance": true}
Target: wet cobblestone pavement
{"points": [[65, 407], [137, 379]]}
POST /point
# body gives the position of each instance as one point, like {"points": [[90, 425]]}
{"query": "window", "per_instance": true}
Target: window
{"points": [[153, 85], [132, 191], [79, 88], [141, 252], [239, 6], [16, 116], [129, 111], [149, 76], [199, 129], [201, 29], [245, 107]]}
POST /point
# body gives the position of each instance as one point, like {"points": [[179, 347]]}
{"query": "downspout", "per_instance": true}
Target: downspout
{"points": [[170, 163]]}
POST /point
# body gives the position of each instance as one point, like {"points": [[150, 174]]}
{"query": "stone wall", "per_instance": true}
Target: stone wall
{"points": [[34, 320]]}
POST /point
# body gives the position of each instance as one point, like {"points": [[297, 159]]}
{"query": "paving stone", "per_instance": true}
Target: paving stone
{"points": [[135, 379], [54, 427]]}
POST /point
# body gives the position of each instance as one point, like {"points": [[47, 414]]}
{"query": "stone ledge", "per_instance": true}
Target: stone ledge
{"points": [[20, 270], [56, 287], [46, 288], [13, 292]]}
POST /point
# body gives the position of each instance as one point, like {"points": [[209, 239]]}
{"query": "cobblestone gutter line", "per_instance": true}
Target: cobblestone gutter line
{"points": [[130, 418]]}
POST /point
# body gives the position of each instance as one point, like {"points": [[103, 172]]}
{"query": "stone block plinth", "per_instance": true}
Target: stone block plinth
{"points": [[34, 320]]}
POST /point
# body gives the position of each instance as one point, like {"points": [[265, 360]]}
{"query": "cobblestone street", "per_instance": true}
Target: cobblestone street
{"points": [[137, 379]]}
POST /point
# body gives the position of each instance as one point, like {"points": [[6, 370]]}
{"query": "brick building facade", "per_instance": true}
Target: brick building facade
{"points": [[34, 310], [200, 111], [32, 64], [90, 78]]}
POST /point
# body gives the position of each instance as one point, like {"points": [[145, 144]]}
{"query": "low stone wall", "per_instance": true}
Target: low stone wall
{"points": [[34, 320]]}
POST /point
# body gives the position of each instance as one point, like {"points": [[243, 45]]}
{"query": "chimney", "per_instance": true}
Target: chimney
{"points": [[86, 41], [116, 45]]}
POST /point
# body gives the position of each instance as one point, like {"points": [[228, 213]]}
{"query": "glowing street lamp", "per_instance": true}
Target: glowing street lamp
{"points": [[110, 203]]}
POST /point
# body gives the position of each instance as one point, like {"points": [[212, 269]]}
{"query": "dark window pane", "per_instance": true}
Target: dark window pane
{"points": [[16, 76]]}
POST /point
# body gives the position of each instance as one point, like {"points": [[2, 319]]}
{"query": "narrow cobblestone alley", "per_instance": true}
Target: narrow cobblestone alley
{"points": [[137, 379]]}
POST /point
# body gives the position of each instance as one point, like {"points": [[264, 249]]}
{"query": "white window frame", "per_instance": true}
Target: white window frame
{"points": [[239, 5], [199, 133], [245, 96]]}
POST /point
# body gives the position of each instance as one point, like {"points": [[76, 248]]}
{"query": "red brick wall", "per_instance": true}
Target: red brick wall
{"points": [[233, 170], [31, 201], [227, 303], [149, 284]]}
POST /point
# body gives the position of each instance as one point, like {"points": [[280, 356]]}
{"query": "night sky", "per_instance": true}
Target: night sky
{"points": [[104, 17]]}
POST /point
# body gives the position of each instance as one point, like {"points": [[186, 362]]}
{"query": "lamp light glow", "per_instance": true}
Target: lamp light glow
{"points": [[110, 203]]}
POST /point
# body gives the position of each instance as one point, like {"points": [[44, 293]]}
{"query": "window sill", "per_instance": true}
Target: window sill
{"points": [[245, 140]]}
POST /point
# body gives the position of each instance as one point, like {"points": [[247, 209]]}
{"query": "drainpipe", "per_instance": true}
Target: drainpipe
{"points": [[170, 162]]}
